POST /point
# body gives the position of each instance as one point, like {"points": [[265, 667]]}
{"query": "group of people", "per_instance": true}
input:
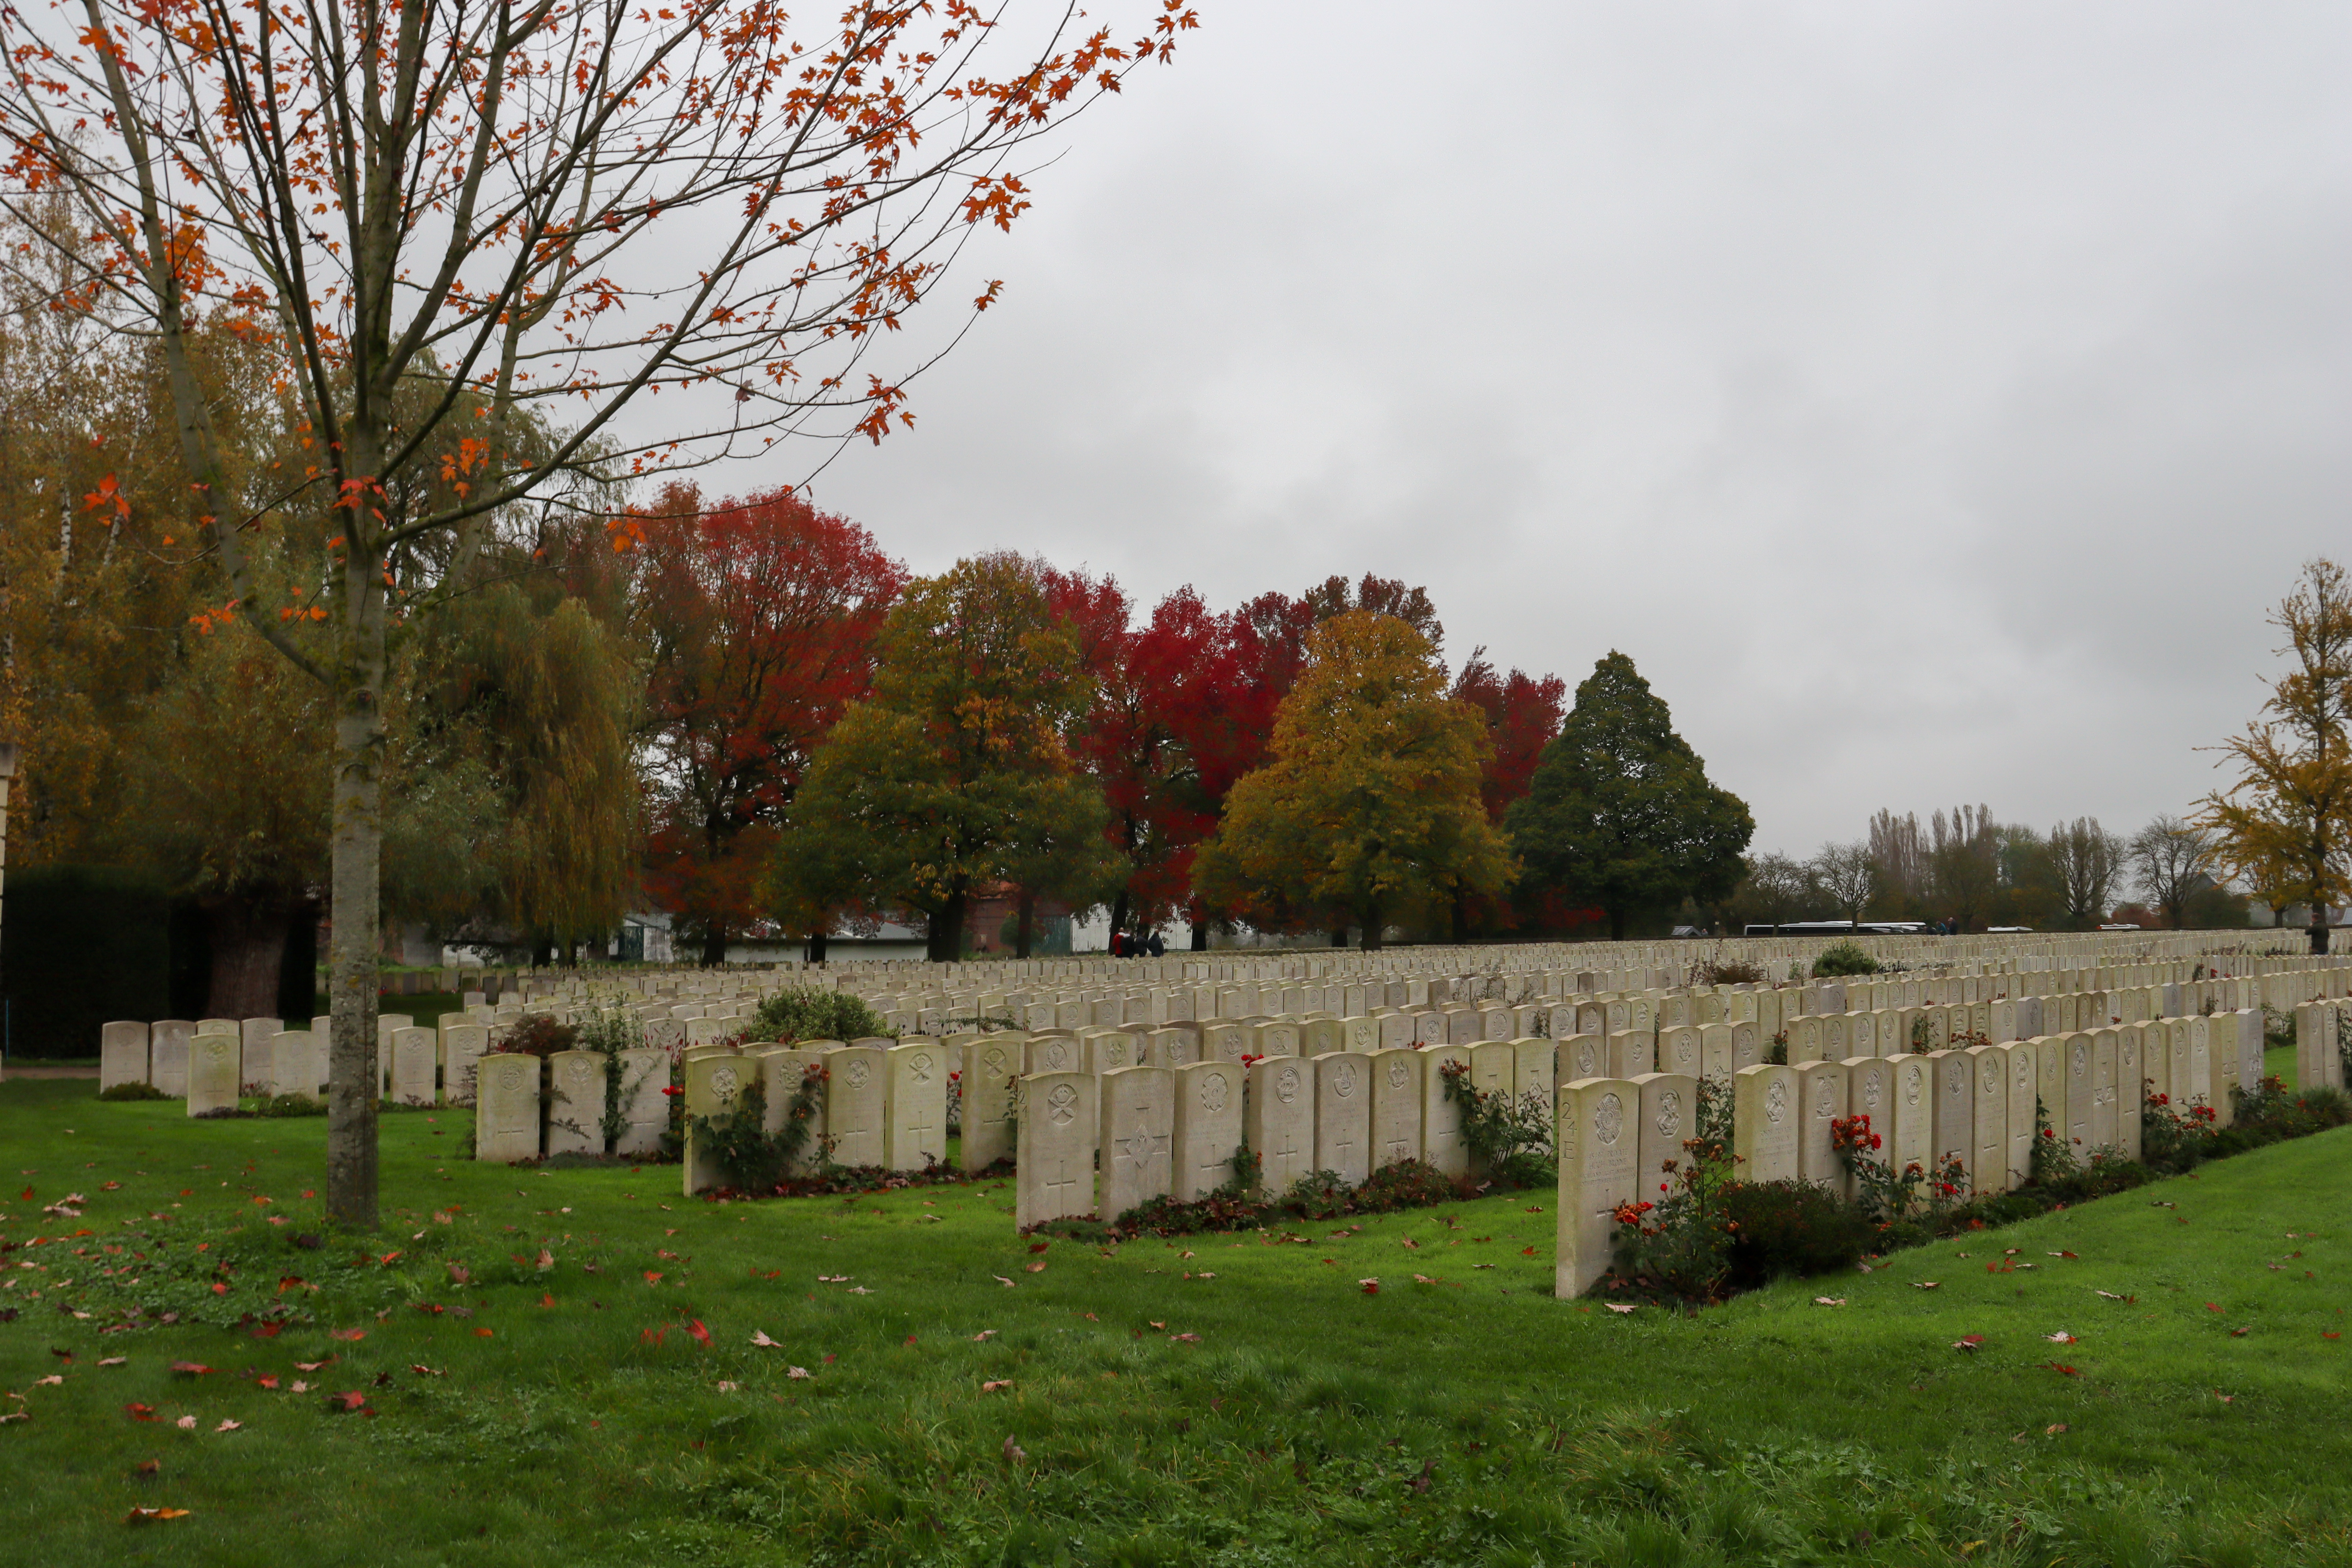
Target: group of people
{"points": [[1133, 945]]}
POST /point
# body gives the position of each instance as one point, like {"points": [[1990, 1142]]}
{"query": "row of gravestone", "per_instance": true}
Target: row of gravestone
{"points": [[260, 1057]]}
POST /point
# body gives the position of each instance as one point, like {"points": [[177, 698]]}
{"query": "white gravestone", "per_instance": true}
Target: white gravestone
{"points": [[1680, 1051], [1279, 1120], [918, 1104], [122, 1048], [1955, 1090], [857, 1105], [2104, 1051], [414, 1057], [214, 1060], [1055, 1171], [1207, 1128], [167, 1056], [1989, 1116], [1822, 1091], [2131, 1064], [1632, 1051], [990, 1066], [462, 1045], [1668, 1117], [1396, 1106], [1441, 1144], [506, 1119], [1580, 1057], [2024, 1071], [1343, 1114], [1764, 1113], [1869, 1092], [1538, 1070], [254, 1064], [644, 1108], [1598, 1146], [575, 1100], [1139, 1112], [1054, 1053]]}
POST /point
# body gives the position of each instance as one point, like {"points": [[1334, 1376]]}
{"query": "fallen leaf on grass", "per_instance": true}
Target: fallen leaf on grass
{"points": [[2213, 1307], [1039, 1246], [140, 1412], [2225, 1398], [227, 1426], [1421, 1279], [1000, 1280], [1369, 1287], [154, 1515], [114, 1361], [185, 1422], [53, 1381], [1482, 1266], [652, 1278], [993, 1387], [701, 1334], [2061, 1338], [1968, 1341], [347, 1333], [2062, 1255], [1527, 1252], [797, 1373], [1829, 1301], [421, 1369], [728, 1387], [859, 1290], [2238, 1334], [458, 1274], [759, 1338], [190, 1368], [2111, 1296], [313, 1365], [298, 1386], [1925, 1284], [2061, 1369], [484, 1333], [2329, 1334], [546, 1260], [1186, 1338], [1036, 1268], [1614, 1307], [351, 1399]]}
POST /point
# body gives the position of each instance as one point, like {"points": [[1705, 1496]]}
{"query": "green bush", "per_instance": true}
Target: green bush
{"points": [[1779, 1228], [293, 1105], [133, 1092], [1845, 957], [804, 1012]]}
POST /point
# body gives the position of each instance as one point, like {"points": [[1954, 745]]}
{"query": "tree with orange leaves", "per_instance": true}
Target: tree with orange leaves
{"points": [[476, 239], [2285, 826]]}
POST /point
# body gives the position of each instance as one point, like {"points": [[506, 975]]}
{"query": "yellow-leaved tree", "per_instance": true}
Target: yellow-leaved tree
{"points": [[1370, 806], [2286, 827]]}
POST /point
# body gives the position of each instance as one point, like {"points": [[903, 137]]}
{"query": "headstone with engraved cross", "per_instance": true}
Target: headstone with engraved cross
{"points": [[1278, 1121], [918, 1109], [1343, 1114], [1055, 1175], [1208, 1128], [1138, 1124]]}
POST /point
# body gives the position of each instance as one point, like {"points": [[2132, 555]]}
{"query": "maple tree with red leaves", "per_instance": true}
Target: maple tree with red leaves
{"points": [[759, 615], [468, 241]]}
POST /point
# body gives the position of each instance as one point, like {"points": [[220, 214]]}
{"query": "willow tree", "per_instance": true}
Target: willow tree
{"points": [[2285, 826], [451, 222]]}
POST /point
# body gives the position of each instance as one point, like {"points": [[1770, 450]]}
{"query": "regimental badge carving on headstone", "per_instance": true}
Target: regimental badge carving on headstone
{"points": [[995, 1059], [1212, 1091], [1343, 1078], [1608, 1119], [1776, 1101], [1062, 1105], [1670, 1115], [1870, 1092], [1587, 1060], [1992, 1073], [1397, 1075], [1955, 1077], [859, 1073], [2081, 1058], [723, 1082], [920, 1066], [510, 1079], [1057, 1057], [579, 1072], [1914, 1083], [1285, 1085], [2024, 1073], [1825, 1099]]}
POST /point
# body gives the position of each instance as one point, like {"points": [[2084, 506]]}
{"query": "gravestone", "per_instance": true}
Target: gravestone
{"points": [[1764, 1116], [1494, 1068], [214, 1060], [1207, 1128], [1441, 1144], [644, 1108], [1805, 1037], [1397, 1092], [1955, 1090], [2318, 1062], [917, 1105], [506, 1121], [1870, 1092], [1910, 1131], [415, 1059], [1821, 1093], [2131, 1065], [1171, 1048], [1343, 1114], [714, 1089], [1278, 1121], [1599, 1153], [167, 1056], [1538, 1071], [253, 1064], [2024, 1073], [462, 1045], [1107, 1050], [122, 1048], [1580, 1057], [1056, 1162], [858, 1104], [1989, 1116], [2105, 1050], [575, 1099], [2071, 1119], [1679, 1051], [1668, 1115], [990, 1066], [1748, 1039], [1223, 1043], [1632, 1052], [1138, 1112], [2251, 1045]]}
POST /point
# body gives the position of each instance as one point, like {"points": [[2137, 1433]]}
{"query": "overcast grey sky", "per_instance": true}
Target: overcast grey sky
{"points": [[1929, 397]]}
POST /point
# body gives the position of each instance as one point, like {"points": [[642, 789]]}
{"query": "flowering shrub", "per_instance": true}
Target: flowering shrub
{"points": [[1509, 1137]]}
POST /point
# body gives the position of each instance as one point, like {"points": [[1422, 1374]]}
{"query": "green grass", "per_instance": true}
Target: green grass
{"points": [[1294, 1431]]}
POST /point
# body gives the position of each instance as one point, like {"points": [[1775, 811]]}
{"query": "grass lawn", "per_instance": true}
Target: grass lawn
{"points": [[1239, 1400]]}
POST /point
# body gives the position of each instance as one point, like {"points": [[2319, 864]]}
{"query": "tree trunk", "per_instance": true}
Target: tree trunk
{"points": [[1200, 935], [543, 949], [1616, 925], [354, 881], [1461, 915], [714, 942], [1025, 922], [1118, 912], [946, 936], [816, 947], [2318, 928], [1340, 936], [249, 942], [1370, 941]]}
